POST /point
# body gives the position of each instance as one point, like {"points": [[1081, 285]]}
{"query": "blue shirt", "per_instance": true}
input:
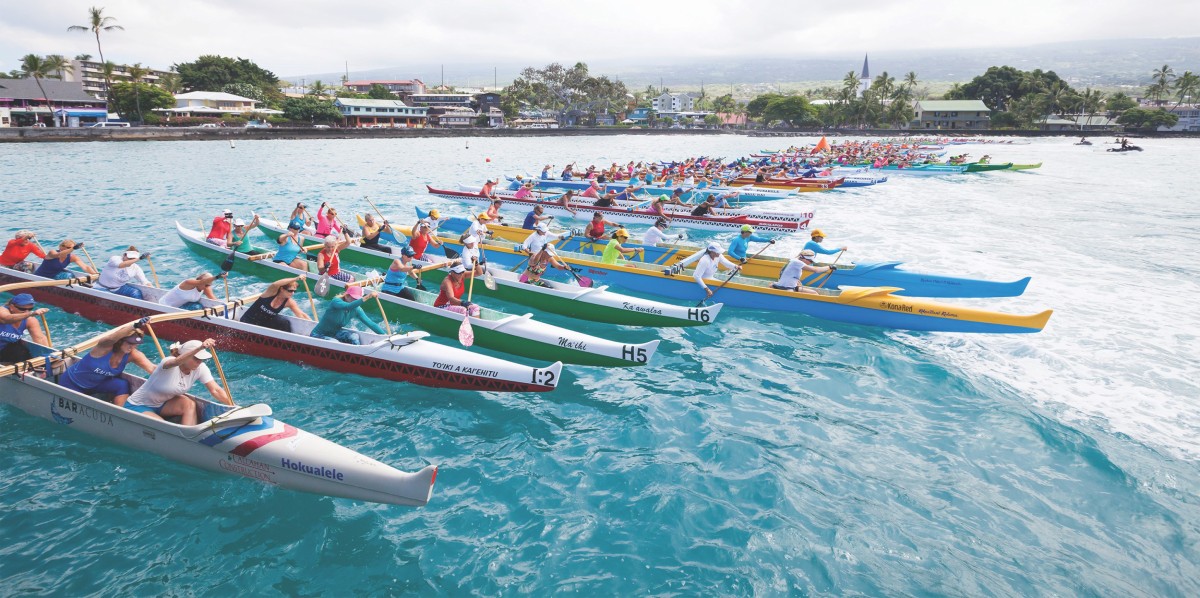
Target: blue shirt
{"points": [[395, 281], [739, 245], [338, 314], [530, 220], [90, 372], [817, 248]]}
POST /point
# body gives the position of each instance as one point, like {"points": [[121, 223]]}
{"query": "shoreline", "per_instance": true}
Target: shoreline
{"points": [[37, 135]]}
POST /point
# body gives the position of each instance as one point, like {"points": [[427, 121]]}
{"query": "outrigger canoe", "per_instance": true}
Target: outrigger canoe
{"points": [[400, 357], [516, 335], [987, 166], [912, 284], [870, 306], [637, 214], [746, 193], [242, 441], [596, 304]]}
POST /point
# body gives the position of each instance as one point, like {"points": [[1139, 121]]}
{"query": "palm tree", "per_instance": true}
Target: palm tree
{"points": [[39, 68], [910, 79], [1093, 99], [317, 88], [83, 57], [1162, 79], [99, 22], [1187, 85], [171, 83], [1057, 97], [136, 73]]}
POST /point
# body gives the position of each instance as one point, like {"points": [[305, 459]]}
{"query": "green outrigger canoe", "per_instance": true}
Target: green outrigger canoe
{"points": [[521, 336], [985, 167], [596, 304]]}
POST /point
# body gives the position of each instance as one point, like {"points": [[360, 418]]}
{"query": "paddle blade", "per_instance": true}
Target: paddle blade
{"points": [[322, 285], [489, 281], [466, 336], [450, 253], [584, 281], [227, 265]]}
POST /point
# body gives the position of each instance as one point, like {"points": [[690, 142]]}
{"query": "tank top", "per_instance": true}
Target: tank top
{"points": [[288, 251], [395, 281], [331, 264], [177, 297], [261, 310], [90, 372], [596, 230], [11, 333], [242, 244], [443, 298], [51, 267], [418, 244]]}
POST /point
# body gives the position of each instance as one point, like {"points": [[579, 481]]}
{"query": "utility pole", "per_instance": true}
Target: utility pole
{"points": [[443, 78]]}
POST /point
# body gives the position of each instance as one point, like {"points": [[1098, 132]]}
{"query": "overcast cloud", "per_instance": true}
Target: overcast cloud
{"points": [[293, 37]]}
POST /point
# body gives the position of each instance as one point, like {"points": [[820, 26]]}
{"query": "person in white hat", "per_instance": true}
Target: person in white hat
{"points": [[120, 273], [799, 268], [540, 237], [164, 393], [221, 225], [708, 263], [187, 294], [471, 256], [450, 294], [478, 228], [239, 235]]}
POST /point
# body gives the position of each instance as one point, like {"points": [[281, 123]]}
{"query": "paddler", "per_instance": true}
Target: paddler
{"points": [[221, 225], [657, 234], [239, 236], [798, 268], [395, 282], [332, 325], [19, 247], [16, 317], [100, 371], [540, 237], [489, 189], [163, 394], [614, 253], [818, 236], [56, 262], [290, 248], [449, 296], [373, 230], [538, 263], [565, 202], [187, 294], [708, 263], [300, 217], [478, 228], [265, 310], [328, 260], [422, 238], [535, 217], [739, 246], [471, 255], [121, 271], [595, 229]]}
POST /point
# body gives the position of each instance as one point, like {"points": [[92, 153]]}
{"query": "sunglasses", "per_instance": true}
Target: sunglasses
{"points": [[288, 290]]}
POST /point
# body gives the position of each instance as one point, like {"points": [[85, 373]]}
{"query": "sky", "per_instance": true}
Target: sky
{"points": [[298, 37]]}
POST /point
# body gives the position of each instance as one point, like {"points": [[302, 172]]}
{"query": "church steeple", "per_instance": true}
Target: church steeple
{"points": [[864, 80], [866, 73]]}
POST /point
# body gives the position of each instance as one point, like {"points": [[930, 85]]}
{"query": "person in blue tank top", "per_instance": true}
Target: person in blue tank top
{"points": [[740, 244], [99, 372], [300, 217], [289, 249], [815, 244], [534, 217], [395, 282], [57, 261], [16, 317]]}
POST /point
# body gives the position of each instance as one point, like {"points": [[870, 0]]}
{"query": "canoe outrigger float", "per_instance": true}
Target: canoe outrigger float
{"points": [[516, 335], [240, 440], [913, 284], [637, 213], [871, 306], [595, 304], [400, 357]]}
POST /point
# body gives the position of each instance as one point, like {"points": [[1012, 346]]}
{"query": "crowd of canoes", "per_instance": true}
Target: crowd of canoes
{"points": [[569, 248]]}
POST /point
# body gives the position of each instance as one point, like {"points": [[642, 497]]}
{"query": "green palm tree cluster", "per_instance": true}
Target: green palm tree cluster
{"points": [[97, 22], [45, 67], [886, 102]]}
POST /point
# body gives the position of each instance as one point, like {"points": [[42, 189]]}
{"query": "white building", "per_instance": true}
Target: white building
{"points": [[673, 102], [1189, 117], [864, 79], [212, 103]]}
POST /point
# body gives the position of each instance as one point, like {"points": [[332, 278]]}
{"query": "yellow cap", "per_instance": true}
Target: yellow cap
{"points": [[435, 214], [818, 233], [483, 216], [621, 233]]}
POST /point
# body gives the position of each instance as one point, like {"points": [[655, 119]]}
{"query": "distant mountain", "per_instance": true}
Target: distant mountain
{"points": [[1082, 63]]}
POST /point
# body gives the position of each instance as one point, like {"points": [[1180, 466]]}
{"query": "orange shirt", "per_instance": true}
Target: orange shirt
{"points": [[17, 250]]}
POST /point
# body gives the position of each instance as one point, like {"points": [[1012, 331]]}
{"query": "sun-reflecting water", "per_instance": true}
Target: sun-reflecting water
{"points": [[763, 455]]}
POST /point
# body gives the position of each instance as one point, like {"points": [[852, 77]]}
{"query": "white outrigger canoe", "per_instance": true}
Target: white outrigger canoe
{"points": [[517, 335], [400, 357], [244, 441]]}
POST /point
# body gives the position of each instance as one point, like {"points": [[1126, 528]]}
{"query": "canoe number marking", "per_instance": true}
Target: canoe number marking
{"points": [[64, 405], [542, 377], [700, 315], [632, 353]]}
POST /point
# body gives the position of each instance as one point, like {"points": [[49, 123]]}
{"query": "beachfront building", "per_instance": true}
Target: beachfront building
{"points": [[69, 106], [212, 103], [91, 75], [399, 88], [673, 102], [950, 114], [381, 113], [453, 117], [1189, 117], [441, 100]]}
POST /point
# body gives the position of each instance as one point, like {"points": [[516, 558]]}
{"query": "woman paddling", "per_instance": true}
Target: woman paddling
{"points": [[100, 371], [265, 310], [165, 393], [57, 261]]}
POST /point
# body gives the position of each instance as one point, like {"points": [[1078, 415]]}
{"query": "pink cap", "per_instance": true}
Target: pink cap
{"points": [[354, 292]]}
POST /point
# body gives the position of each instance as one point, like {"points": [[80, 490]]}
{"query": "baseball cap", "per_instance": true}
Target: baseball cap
{"points": [[23, 300], [132, 255], [193, 345], [457, 268], [808, 253], [228, 213], [408, 251], [541, 228], [470, 239], [133, 339], [239, 222], [354, 292]]}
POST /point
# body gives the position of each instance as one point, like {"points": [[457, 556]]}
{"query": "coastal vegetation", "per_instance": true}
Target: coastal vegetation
{"points": [[564, 91], [97, 22]]}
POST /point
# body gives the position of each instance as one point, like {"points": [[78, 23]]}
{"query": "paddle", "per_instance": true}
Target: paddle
{"points": [[152, 272], [466, 336], [829, 273], [489, 281], [583, 281], [311, 304], [46, 325], [387, 325], [731, 275], [89, 256], [221, 372], [34, 284], [154, 337]]}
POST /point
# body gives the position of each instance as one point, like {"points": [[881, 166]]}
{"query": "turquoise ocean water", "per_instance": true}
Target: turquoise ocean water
{"points": [[764, 455]]}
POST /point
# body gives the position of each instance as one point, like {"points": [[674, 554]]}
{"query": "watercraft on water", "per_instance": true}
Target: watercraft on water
{"points": [[912, 284], [745, 193], [400, 357], [641, 214], [596, 304], [871, 306], [1026, 166], [516, 335], [988, 166], [245, 441]]}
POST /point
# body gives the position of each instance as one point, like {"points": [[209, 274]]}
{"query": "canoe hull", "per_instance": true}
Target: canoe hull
{"points": [[268, 451]]}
